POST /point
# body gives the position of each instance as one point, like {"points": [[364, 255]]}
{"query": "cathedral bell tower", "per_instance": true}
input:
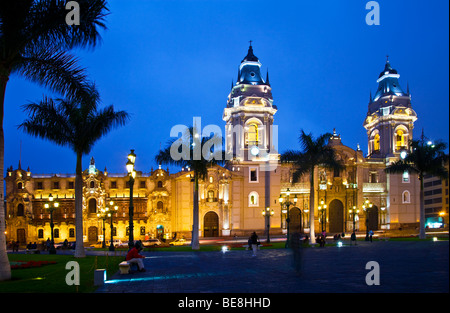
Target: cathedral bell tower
{"points": [[390, 117], [249, 114]]}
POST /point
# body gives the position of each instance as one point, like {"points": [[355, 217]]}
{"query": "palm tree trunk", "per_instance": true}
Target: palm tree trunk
{"points": [[312, 233], [5, 268], [195, 240], [422, 234], [79, 249]]}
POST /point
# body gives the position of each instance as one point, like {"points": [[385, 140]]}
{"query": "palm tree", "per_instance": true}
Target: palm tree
{"points": [[197, 154], [76, 124], [34, 40], [424, 158], [315, 152]]}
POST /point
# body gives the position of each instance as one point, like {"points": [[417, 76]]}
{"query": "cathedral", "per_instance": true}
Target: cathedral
{"points": [[253, 192]]}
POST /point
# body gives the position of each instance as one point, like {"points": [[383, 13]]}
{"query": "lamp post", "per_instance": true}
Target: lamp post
{"points": [[112, 209], [322, 209], [52, 206], [354, 212], [103, 214], [285, 201], [132, 174], [267, 213], [366, 208]]}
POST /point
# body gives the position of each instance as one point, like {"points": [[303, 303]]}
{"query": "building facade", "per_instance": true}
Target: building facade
{"points": [[233, 197]]}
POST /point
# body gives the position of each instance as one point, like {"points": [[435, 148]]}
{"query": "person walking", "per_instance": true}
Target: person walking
{"points": [[255, 241], [353, 238], [370, 235]]}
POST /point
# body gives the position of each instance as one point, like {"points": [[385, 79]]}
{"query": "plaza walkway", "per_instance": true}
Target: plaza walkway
{"points": [[405, 267]]}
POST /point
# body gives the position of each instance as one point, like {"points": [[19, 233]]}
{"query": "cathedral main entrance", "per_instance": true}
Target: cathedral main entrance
{"points": [[92, 234], [211, 225], [336, 216]]}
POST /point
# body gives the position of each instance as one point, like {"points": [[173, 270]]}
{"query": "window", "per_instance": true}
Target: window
{"points": [[253, 199], [113, 184], [92, 184], [20, 210], [71, 185], [71, 232], [142, 184], [253, 175], [210, 196], [405, 177], [56, 185], [406, 197], [92, 205], [159, 206], [40, 185], [40, 233], [211, 179], [142, 231], [160, 184], [252, 139], [376, 143], [19, 186], [56, 232], [373, 177], [400, 137]]}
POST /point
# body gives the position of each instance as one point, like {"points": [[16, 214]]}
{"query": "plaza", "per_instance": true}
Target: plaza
{"points": [[405, 267]]}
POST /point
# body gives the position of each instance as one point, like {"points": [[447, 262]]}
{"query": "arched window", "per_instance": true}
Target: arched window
{"points": [[406, 197], [252, 138], [92, 206], [20, 210], [253, 199], [160, 206], [19, 186], [160, 184], [376, 143], [400, 139], [92, 184], [210, 196]]}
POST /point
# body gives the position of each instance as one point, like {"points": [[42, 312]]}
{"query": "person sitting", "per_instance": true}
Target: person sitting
{"points": [[134, 257]]}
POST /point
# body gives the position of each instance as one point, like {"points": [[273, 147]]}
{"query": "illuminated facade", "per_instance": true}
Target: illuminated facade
{"points": [[232, 198]]}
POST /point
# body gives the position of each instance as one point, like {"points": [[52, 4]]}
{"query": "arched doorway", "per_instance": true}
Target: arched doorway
{"points": [[295, 224], [92, 234], [211, 225], [336, 216], [160, 231], [372, 218]]}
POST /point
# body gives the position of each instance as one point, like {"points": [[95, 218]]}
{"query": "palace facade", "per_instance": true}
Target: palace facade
{"points": [[233, 197]]}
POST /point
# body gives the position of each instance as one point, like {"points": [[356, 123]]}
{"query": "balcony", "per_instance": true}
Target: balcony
{"points": [[374, 187]]}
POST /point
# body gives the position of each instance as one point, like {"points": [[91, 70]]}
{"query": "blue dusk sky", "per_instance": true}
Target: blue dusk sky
{"points": [[168, 61]]}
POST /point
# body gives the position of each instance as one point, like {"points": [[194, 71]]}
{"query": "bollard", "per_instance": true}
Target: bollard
{"points": [[99, 277]]}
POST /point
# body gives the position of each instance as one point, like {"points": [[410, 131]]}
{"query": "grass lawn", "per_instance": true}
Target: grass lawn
{"points": [[51, 278]]}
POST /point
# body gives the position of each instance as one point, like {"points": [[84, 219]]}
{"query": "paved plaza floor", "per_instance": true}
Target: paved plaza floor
{"points": [[404, 267]]}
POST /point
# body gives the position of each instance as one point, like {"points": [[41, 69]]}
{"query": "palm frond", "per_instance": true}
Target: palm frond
{"points": [[56, 70]]}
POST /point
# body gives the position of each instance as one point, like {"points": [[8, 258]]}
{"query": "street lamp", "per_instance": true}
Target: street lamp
{"points": [[103, 214], [285, 201], [132, 174], [52, 206], [112, 209], [354, 213], [366, 208], [267, 213], [322, 209]]}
